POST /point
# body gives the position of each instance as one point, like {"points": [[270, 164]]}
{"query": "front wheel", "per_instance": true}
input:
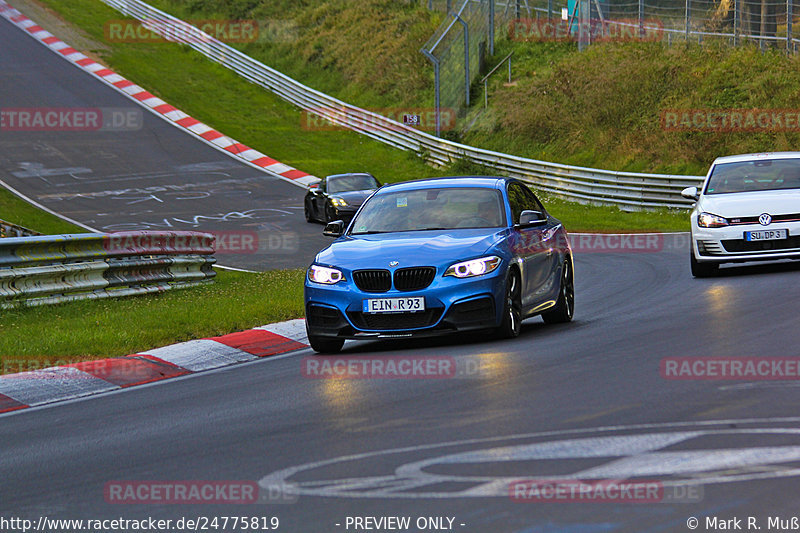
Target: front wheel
{"points": [[325, 344], [703, 270], [307, 212], [512, 310], [565, 305]]}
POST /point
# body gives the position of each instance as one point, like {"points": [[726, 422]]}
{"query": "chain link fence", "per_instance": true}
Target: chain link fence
{"points": [[461, 46]]}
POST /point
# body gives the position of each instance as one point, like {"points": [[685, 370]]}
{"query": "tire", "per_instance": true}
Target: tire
{"points": [[325, 344], [703, 270], [564, 309], [307, 212], [511, 324]]}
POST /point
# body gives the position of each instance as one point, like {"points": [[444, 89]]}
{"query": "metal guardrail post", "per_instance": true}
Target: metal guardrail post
{"points": [[789, 15], [549, 10], [735, 22]]}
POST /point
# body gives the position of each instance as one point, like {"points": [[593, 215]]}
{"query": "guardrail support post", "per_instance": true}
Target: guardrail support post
{"points": [[789, 15], [735, 22]]}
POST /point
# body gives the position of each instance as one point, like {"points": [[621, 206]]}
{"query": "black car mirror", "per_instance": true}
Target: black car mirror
{"points": [[531, 218], [334, 229]]}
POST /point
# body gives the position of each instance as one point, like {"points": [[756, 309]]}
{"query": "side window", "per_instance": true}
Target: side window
{"points": [[517, 200], [533, 203]]}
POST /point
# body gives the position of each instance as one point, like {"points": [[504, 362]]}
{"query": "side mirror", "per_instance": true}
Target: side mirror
{"points": [[334, 229], [531, 218], [690, 193]]}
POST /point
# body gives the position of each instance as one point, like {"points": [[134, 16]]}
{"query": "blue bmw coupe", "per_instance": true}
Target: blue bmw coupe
{"points": [[438, 256]]}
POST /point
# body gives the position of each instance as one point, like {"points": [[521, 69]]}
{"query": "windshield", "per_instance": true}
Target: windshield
{"points": [[759, 175], [351, 183], [423, 209]]}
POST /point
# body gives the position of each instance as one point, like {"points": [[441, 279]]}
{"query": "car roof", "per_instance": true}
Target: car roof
{"points": [[349, 174], [757, 157], [491, 182]]}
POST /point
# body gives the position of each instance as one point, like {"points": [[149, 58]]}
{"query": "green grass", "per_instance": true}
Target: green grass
{"points": [[17, 211], [600, 108], [86, 330]]}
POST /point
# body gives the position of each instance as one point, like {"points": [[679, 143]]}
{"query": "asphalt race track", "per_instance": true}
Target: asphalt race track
{"points": [[269, 421], [139, 172]]}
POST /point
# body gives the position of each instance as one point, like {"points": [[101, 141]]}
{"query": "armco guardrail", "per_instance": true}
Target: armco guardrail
{"points": [[578, 183], [7, 229], [58, 268]]}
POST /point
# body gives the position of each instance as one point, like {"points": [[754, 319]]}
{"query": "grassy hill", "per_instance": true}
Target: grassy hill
{"points": [[598, 108]]}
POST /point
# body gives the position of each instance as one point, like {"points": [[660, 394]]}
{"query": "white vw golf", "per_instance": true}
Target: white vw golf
{"points": [[747, 210]]}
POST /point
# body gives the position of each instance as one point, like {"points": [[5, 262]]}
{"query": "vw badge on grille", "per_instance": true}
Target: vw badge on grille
{"points": [[765, 219]]}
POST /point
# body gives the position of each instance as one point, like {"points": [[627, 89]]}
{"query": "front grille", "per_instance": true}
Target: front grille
{"points": [[373, 280], [740, 245], [414, 278], [791, 217], [395, 321]]}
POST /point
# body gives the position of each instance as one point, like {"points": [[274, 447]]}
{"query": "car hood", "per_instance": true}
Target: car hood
{"points": [[411, 248], [353, 197], [752, 204]]}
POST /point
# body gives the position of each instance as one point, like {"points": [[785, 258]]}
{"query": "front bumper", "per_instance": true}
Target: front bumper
{"points": [[727, 244], [451, 305], [343, 213]]}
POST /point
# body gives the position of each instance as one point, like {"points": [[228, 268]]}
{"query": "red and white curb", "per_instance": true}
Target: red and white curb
{"points": [[156, 105], [67, 382]]}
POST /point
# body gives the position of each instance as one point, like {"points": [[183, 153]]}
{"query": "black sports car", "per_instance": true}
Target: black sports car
{"points": [[339, 196]]}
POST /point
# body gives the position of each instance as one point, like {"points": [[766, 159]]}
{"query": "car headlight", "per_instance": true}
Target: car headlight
{"points": [[338, 202], [473, 267], [321, 274], [708, 220]]}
